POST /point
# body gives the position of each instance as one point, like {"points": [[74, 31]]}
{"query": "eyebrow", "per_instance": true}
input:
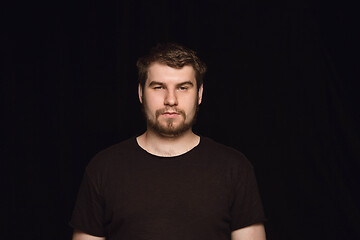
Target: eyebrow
{"points": [[185, 83], [154, 83]]}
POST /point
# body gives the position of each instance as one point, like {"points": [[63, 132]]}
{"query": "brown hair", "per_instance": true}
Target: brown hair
{"points": [[173, 55]]}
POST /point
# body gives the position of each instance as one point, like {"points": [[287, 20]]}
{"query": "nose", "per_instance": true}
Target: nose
{"points": [[171, 99]]}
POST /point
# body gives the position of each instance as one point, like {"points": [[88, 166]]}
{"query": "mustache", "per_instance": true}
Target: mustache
{"points": [[173, 110]]}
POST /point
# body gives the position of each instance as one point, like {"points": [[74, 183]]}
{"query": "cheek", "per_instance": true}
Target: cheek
{"points": [[191, 105], [155, 97], [152, 103]]}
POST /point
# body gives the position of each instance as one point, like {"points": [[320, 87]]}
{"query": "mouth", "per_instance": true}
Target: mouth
{"points": [[170, 114]]}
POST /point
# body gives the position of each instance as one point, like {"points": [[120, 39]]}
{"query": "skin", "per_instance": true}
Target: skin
{"points": [[79, 235], [252, 232], [168, 91]]}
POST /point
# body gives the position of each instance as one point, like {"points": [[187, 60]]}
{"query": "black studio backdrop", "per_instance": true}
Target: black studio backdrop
{"points": [[281, 87]]}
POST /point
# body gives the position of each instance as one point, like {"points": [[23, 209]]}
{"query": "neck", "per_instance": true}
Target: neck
{"points": [[166, 146]]}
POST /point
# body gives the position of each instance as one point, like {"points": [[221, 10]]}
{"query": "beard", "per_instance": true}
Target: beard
{"points": [[170, 127]]}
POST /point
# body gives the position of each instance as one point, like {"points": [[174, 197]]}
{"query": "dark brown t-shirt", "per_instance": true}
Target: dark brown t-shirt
{"points": [[129, 194]]}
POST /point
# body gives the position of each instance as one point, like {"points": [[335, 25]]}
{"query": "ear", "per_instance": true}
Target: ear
{"points": [[200, 93], [140, 93]]}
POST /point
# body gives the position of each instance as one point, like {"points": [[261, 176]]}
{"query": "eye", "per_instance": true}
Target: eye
{"points": [[158, 87], [183, 88]]}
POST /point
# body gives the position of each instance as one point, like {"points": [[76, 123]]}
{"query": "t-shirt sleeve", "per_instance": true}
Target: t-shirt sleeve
{"points": [[247, 207], [88, 213]]}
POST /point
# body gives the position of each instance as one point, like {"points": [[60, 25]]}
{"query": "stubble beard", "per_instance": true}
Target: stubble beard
{"points": [[169, 129]]}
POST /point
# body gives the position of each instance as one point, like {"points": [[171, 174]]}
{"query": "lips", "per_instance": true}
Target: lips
{"points": [[170, 114]]}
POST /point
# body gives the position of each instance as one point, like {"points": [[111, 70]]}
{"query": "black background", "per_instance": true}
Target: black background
{"points": [[281, 87]]}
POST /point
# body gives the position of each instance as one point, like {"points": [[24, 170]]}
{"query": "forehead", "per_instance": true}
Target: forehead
{"points": [[163, 73]]}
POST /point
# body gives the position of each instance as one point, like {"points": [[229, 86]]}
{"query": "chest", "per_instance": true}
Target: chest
{"points": [[162, 195]]}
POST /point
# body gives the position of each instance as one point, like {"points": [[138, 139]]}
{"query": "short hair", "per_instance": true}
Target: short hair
{"points": [[173, 55]]}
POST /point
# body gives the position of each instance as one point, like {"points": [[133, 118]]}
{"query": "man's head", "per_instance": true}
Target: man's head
{"points": [[173, 55], [170, 88]]}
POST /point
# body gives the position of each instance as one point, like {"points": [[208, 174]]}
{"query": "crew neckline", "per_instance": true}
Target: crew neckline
{"points": [[169, 157]]}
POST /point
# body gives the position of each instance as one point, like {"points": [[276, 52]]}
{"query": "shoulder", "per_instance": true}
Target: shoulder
{"points": [[224, 153], [219, 149], [112, 156]]}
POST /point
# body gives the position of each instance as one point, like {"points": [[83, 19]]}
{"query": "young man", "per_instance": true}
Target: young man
{"points": [[169, 183]]}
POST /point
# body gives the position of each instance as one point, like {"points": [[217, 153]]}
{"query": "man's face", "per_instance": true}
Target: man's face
{"points": [[170, 99]]}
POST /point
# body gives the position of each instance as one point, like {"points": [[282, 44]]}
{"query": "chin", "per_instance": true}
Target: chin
{"points": [[173, 131]]}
